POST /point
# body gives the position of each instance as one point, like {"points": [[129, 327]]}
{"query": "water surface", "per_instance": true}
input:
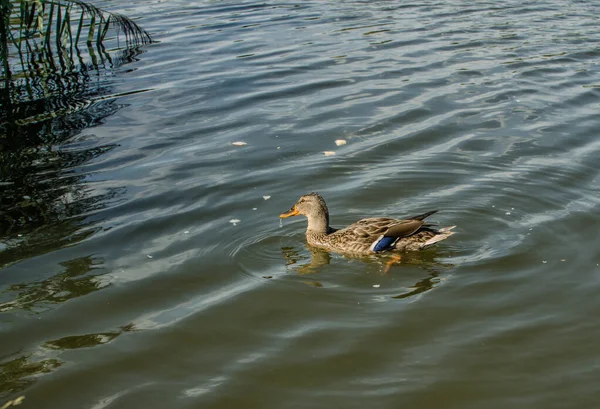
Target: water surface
{"points": [[149, 297]]}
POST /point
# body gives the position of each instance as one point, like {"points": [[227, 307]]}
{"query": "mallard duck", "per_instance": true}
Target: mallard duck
{"points": [[367, 236]]}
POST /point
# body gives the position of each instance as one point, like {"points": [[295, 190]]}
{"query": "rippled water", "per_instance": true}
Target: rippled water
{"points": [[488, 111]]}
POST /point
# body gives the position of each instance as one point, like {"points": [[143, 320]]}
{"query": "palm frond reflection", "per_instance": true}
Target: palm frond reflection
{"points": [[38, 296]]}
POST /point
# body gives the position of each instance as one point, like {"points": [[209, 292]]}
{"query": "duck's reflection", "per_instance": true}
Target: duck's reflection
{"points": [[298, 261], [294, 260], [421, 286]]}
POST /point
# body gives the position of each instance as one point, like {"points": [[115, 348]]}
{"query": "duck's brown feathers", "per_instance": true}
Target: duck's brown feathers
{"points": [[359, 237]]}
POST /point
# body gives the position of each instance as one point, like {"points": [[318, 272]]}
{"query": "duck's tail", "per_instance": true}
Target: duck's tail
{"points": [[442, 234]]}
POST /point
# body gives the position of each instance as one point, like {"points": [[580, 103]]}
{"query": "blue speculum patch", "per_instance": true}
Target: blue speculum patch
{"points": [[384, 243]]}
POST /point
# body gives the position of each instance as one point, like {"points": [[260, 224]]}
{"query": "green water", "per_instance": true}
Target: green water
{"points": [[148, 296]]}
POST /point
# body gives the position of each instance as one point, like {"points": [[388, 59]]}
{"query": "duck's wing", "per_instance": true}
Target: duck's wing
{"points": [[399, 229], [374, 234], [396, 231], [403, 228]]}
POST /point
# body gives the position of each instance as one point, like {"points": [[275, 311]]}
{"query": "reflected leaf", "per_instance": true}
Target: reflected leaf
{"points": [[17, 374], [82, 341], [14, 402], [87, 340], [72, 283]]}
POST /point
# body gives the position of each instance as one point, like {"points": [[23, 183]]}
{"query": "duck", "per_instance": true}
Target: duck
{"points": [[374, 235]]}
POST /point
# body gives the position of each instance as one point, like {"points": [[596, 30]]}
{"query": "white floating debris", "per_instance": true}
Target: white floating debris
{"points": [[376, 285], [266, 197], [279, 147], [329, 153], [186, 232], [563, 259], [507, 213], [149, 256], [254, 208], [340, 142], [544, 261], [19, 235], [239, 143], [234, 221]]}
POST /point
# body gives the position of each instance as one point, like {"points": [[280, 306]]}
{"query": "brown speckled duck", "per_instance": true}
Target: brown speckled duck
{"points": [[366, 236]]}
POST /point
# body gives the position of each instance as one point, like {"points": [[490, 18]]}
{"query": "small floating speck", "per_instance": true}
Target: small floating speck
{"points": [[234, 221], [266, 197], [507, 213], [544, 261], [149, 256], [186, 232], [329, 153], [279, 147], [267, 276], [254, 208], [563, 259], [19, 235], [340, 142], [239, 143], [376, 285]]}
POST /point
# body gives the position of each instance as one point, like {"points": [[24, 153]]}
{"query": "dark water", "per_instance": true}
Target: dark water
{"points": [[149, 297]]}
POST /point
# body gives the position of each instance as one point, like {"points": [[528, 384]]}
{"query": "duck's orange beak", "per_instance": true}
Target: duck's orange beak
{"points": [[292, 212]]}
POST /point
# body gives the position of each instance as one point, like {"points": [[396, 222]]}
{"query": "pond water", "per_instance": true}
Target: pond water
{"points": [[174, 285]]}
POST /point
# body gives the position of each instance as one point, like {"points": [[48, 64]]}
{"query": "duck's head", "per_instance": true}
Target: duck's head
{"points": [[310, 205]]}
